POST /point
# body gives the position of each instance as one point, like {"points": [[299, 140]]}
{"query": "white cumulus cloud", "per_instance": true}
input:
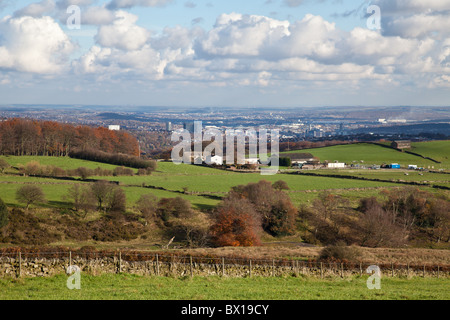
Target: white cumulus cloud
{"points": [[36, 45]]}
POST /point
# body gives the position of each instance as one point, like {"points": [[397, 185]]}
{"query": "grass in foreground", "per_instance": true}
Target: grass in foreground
{"points": [[132, 287]]}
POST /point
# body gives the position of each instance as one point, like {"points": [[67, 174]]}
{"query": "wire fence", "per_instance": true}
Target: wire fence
{"points": [[44, 263]]}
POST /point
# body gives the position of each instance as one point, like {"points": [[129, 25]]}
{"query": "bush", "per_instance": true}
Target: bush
{"points": [[147, 206], [237, 224], [3, 165], [194, 230], [25, 229], [340, 252], [4, 214], [117, 201], [278, 215], [280, 185], [173, 207], [122, 171]]}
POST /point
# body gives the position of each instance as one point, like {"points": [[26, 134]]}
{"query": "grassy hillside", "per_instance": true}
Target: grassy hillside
{"points": [[366, 153], [437, 150], [198, 180]]}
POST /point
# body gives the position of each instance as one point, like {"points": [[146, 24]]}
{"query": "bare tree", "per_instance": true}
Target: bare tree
{"points": [[101, 191], [82, 198], [29, 195]]}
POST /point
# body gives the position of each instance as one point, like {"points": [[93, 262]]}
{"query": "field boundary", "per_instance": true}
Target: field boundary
{"points": [[349, 177], [44, 264]]}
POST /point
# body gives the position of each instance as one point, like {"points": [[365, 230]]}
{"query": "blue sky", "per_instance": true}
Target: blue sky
{"points": [[271, 53]]}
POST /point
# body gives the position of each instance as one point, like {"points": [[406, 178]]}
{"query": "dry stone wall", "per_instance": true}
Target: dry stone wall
{"points": [[46, 267]]}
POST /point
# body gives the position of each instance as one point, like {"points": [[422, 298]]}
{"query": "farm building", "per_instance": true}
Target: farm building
{"points": [[401, 145], [217, 160], [336, 165], [300, 158]]}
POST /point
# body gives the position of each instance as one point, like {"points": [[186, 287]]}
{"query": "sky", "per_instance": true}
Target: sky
{"points": [[253, 53]]}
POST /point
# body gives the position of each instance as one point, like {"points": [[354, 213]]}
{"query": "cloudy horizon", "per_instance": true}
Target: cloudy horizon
{"points": [[260, 53]]}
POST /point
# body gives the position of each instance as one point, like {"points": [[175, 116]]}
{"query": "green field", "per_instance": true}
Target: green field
{"points": [[199, 182], [393, 175], [222, 183], [437, 150], [132, 287], [370, 154], [61, 162]]}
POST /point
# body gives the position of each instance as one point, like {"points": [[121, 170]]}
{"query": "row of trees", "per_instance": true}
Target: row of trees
{"points": [[34, 168], [113, 158], [49, 138]]}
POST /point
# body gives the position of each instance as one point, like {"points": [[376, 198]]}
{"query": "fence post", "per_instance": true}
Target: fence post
{"points": [[407, 270], [273, 267], [360, 269], [172, 265], [250, 268], [157, 265], [20, 264], [120, 262], [190, 258], [321, 270], [424, 271], [392, 269], [223, 267], [70, 258], [438, 273]]}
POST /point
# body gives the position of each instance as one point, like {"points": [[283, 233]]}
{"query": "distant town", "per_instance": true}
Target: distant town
{"points": [[153, 125]]}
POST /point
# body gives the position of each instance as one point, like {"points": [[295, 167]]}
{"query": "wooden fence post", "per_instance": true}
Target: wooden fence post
{"points": [[120, 262], [438, 273], [273, 267], [424, 271], [190, 258], [20, 264], [321, 270], [223, 267], [70, 258], [250, 268], [360, 269], [157, 265], [407, 270]]}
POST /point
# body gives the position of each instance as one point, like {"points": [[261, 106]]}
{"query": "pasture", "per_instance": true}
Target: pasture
{"points": [[369, 154], [203, 186], [133, 287]]}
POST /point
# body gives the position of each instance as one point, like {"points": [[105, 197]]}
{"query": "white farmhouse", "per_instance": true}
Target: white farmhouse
{"points": [[217, 160]]}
